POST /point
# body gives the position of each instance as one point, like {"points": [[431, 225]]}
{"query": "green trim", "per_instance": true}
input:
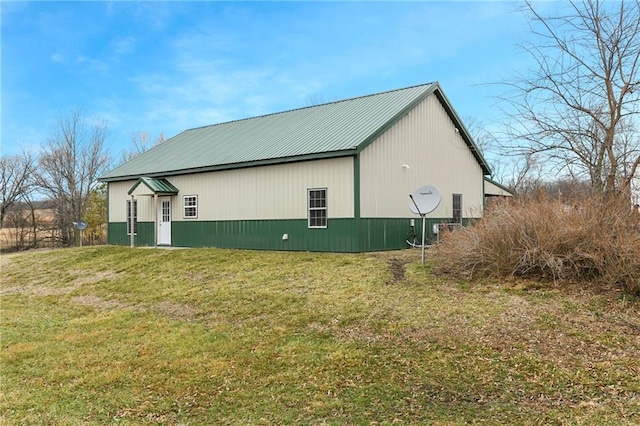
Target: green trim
{"points": [[234, 166], [356, 198], [157, 186]]}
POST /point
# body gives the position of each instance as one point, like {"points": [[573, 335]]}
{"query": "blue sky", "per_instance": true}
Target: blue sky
{"points": [[169, 66]]}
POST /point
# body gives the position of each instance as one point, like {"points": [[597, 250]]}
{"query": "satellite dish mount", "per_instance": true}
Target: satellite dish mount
{"points": [[80, 225], [423, 201]]}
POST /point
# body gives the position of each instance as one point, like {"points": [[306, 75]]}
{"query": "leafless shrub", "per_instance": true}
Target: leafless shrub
{"points": [[589, 241]]}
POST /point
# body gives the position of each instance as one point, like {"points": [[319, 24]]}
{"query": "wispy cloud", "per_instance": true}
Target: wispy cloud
{"points": [[123, 46], [168, 66], [90, 65], [58, 57]]}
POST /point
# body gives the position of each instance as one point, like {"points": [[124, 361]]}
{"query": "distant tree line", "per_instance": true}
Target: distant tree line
{"points": [[572, 126], [43, 196]]}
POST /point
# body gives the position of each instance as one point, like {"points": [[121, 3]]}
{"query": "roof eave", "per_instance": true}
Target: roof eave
{"points": [[232, 166]]}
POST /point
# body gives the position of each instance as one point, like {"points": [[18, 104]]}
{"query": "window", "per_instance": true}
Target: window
{"points": [[190, 204], [317, 208], [132, 216], [457, 208]]}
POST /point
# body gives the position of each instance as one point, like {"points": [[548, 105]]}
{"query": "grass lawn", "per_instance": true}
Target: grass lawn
{"points": [[207, 336]]}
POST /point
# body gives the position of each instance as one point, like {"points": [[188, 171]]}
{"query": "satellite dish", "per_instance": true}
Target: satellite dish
{"points": [[424, 200], [80, 225]]}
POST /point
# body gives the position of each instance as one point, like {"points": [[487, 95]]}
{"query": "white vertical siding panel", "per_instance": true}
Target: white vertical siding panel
{"points": [[268, 192], [117, 200], [118, 196], [426, 141]]}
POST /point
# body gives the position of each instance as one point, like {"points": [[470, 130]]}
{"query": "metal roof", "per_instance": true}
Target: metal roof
{"points": [[332, 129], [157, 186]]}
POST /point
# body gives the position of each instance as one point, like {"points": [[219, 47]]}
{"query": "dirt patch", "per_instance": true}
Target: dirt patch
{"points": [[397, 269], [396, 261]]}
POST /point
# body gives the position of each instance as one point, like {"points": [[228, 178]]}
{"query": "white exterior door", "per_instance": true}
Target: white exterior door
{"points": [[164, 221]]}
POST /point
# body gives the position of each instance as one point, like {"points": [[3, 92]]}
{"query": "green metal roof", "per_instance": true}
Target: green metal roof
{"points": [[157, 186], [322, 131]]}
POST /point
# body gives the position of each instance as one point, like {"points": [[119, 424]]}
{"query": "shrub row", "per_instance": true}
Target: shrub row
{"points": [[589, 241]]}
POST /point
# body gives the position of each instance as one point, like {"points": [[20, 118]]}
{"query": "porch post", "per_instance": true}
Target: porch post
{"points": [[131, 220], [155, 220]]}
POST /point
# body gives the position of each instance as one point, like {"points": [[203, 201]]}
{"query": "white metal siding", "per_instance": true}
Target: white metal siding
{"points": [[425, 140], [117, 200], [267, 192], [492, 189], [118, 196]]}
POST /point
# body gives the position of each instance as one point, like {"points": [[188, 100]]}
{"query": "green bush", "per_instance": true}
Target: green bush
{"points": [[589, 241]]}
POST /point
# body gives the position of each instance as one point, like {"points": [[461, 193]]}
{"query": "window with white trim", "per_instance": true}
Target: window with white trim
{"points": [[317, 207], [132, 216], [190, 206]]}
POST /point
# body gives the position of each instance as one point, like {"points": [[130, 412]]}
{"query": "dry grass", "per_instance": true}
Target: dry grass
{"points": [[117, 335], [587, 242]]}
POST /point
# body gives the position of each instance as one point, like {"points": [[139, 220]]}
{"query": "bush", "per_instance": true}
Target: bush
{"points": [[588, 241]]}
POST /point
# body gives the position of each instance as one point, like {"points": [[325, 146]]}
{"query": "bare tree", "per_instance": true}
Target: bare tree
{"points": [[15, 180], [141, 143], [71, 161], [578, 106], [492, 151]]}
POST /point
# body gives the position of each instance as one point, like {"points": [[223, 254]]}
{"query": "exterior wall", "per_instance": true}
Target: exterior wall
{"points": [[249, 208], [426, 141], [268, 192], [118, 196]]}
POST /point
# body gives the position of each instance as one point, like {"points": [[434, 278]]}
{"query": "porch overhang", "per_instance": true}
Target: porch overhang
{"points": [[153, 186]]}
